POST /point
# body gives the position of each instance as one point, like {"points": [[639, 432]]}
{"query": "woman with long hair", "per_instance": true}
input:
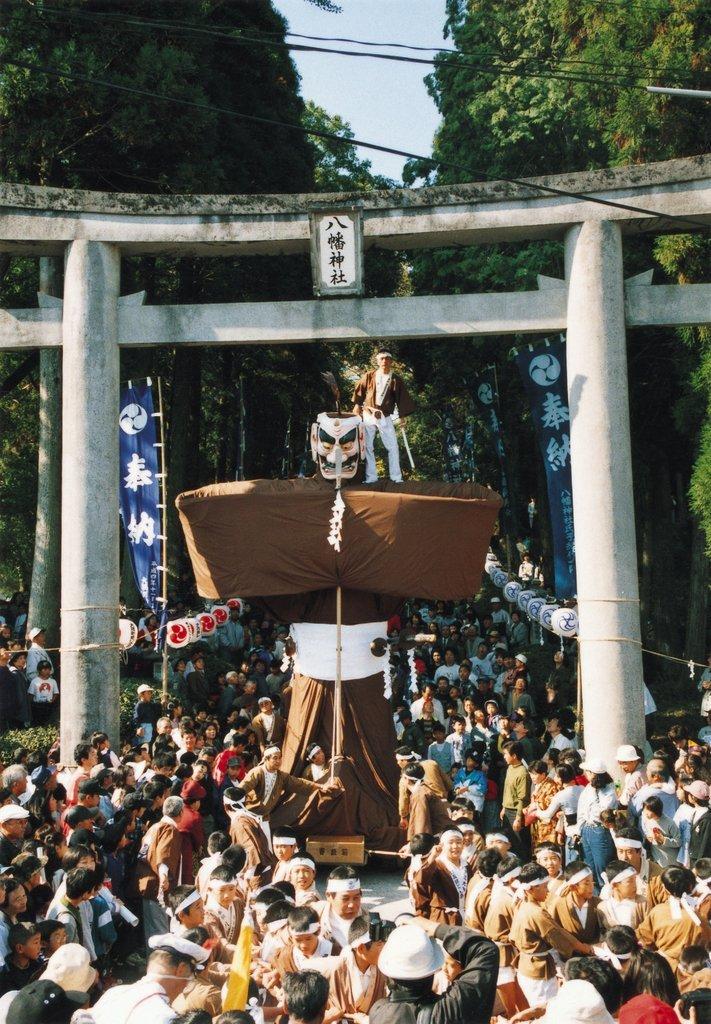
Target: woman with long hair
{"points": [[598, 796], [649, 974]]}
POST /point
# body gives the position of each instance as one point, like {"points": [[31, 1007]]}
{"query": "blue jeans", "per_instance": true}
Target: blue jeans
{"points": [[598, 850]]}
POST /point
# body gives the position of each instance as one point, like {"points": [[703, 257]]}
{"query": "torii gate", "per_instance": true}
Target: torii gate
{"points": [[593, 305]]}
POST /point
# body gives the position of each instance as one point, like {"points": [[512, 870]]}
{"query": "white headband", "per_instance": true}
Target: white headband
{"points": [[362, 940], [302, 862], [627, 844], [335, 885], [466, 826], [284, 840], [274, 926], [233, 805], [273, 748], [623, 876], [510, 875], [312, 929], [542, 853], [316, 750], [533, 884], [497, 837], [220, 883], [605, 953], [191, 898], [579, 876], [450, 832]]}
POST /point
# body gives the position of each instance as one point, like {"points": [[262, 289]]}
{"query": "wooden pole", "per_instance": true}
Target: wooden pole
{"points": [[337, 688], [164, 576]]}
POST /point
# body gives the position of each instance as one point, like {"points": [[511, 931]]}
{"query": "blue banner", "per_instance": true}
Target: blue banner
{"points": [[486, 400], [140, 488], [543, 373]]}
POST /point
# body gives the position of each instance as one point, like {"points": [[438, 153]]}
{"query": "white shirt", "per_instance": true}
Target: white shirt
{"points": [[450, 672], [146, 1002], [34, 655], [593, 801], [561, 742], [269, 783], [382, 382], [437, 709], [42, 691]]}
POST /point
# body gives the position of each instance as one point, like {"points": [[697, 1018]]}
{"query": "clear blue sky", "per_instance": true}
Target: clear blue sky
{"points": [[383, 101]]}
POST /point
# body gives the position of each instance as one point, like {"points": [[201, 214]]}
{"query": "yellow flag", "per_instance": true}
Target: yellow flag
{"points": [[238, 981]]}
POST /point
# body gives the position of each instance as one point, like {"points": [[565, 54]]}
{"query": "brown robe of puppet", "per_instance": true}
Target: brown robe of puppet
{"points": [[266, 540]]}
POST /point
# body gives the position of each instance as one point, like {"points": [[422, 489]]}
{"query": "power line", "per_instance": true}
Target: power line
{"points": [[687, 222], [625, 81]]}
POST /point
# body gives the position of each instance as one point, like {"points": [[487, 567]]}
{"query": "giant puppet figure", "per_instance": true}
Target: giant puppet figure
{"points": [[337, 570]]}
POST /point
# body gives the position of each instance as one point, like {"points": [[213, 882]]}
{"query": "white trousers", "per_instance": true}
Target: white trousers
{"points": [[386, 428], [538, 991]]}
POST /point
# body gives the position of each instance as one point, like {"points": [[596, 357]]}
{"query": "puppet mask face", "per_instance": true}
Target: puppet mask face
{"points": [[335, 436]]}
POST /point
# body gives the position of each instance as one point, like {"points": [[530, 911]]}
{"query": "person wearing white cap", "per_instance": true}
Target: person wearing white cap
{"points": [[36, 652], [410, 959], [70, 968], [381, 398], [171, 965], [13, 825], [499, 616], [634, 776], [540, 940], [577, 1002], [600, 795]]}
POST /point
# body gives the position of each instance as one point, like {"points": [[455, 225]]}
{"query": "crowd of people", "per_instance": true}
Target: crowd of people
{"points": [[133, 882]]}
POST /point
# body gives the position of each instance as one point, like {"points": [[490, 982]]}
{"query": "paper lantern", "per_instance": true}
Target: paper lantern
{"points": [[208, 623], [194, 629], [499, 578], [178, 633], [564, 622], [221, 614], [512, 590], [534, 608], [546, 613], [524, 597], [128, 634], [235, 602]]}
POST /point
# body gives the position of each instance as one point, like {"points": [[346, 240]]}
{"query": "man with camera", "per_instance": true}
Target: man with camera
{"points": [[357, 983], [410, 959]]}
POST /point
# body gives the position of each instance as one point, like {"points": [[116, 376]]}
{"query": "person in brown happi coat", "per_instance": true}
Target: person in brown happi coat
{"points": [[497, 927], [680, 922], [540, 941], [428, 813], [629, 845], [268, 726], [202, 993], [305, 942], [376, 397], [267, 786], [693, 971], [436, 779], [224, 910], [246, 831], [623, 906], [575, 906], [158, 866], [440, 885], [480, 888], [356, 983]]}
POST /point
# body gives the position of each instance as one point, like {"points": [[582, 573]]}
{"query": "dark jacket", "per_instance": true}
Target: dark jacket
{"points": [[700, 841], [470, 998]]}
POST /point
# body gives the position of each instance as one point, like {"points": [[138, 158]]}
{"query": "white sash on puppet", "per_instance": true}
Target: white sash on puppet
{"points": [[316, 649]]}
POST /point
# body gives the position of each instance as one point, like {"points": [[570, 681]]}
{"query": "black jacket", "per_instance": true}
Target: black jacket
{"points": [[700, 841], [469, 999]]}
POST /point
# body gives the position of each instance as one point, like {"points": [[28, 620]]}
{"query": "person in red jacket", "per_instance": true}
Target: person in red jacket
{"points": [[191, 828]]}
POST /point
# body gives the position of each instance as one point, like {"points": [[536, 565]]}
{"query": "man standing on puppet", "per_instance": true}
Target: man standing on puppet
{"points": [[382, 399]]}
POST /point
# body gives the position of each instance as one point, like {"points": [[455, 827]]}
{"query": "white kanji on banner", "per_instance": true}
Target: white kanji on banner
{"points": [[143, 530], [136, 473]]}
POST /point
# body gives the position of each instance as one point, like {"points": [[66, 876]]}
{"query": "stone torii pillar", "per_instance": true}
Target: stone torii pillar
{"points": [[90, 494], [603, 506]]}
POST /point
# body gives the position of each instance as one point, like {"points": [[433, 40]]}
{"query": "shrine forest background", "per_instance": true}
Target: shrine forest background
{"points": [[549, 87]]}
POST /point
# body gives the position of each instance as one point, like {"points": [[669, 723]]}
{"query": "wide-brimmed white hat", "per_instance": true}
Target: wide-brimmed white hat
{"points": [[13, 812], [409, 954], [595, 765], [577, 1002], [70, 968], [627, 753]]}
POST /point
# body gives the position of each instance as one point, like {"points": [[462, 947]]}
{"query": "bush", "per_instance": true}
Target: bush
{"points": [[36, 738]]}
